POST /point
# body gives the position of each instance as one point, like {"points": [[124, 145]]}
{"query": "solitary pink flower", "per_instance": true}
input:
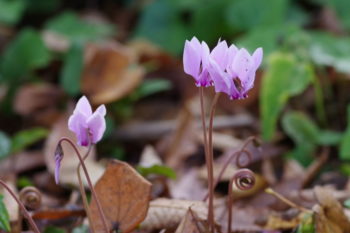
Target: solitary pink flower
{"points": [[87, 126]]}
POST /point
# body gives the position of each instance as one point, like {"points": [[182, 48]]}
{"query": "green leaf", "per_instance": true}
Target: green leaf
{"points": [[210, 29], [52, 229], [329, 50], [341, 8], [4, 216], [25, 138], [299, 127], [307, 224], [344, 150], [157, 170], [81, 229], [11, 11], [24, 181], [77, 30], [247, 14], [285, 77], [347, 203], [329, 138], [72, 69], [150, 87], [24, 54], [5, 145], [160, 23]]}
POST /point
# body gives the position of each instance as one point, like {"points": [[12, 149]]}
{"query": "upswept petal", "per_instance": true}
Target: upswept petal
{"points": [[242, 65], [219, 54], [75, 120], [83, 106], [97, 126], [191, 59], [101, 110], [221, 80], [205, 51], [232, 51], [257, 57]]}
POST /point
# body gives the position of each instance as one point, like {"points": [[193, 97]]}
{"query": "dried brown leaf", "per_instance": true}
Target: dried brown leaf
{"points": [[331, 209], [110, 73], [168, 213], [191, 223], [124, 195]]}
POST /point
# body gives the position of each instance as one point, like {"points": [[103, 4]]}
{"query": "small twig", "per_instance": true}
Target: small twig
{"points": [[22, 207], [99, 207], [285, 200]]}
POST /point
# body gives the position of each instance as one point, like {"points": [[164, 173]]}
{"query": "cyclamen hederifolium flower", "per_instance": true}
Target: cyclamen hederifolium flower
{"points": [[229, 69], [87, 126]]}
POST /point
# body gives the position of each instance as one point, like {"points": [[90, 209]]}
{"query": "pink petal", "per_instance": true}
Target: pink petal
{"points": [[242, 64], [232, 51], [221, 80], [101, 110], [77, 124], [219, 54], [83, 106], [97, 126], [205, 55], [257, 57], [192, 58]]}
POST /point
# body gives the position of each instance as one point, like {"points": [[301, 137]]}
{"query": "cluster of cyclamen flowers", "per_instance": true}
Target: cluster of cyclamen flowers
{"points": [[228, 69]]}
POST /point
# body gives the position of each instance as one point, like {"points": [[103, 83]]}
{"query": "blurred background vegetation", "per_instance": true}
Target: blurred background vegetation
{"points": [[304, 79]]}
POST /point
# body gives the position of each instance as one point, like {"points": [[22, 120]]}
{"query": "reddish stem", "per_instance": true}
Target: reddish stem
{"points": [[99, 207], [23, 208], [211, 217]]}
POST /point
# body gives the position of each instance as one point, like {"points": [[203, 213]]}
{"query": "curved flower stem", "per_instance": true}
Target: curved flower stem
{"points": [[210, 162], [235, 153], [83, 192], [99, 207], [244, 180], [207, 156], [23, 208]]}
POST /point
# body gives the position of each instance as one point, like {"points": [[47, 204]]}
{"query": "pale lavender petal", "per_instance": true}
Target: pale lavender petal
{"points": [[97, 126], [205, 51], [257, 57], [221, 80], [77, 124], [242, 65], [195, 43], [232, 51], [101, 110], [219, 54], [83, 106], [58, 158], [191, 60]]}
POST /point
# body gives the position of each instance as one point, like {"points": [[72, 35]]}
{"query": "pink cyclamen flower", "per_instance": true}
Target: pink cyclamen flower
{"points": [[196, 60], [88, 126], [238, 77], [229, 69]]}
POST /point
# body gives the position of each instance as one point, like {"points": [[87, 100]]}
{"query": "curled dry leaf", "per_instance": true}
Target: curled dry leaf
{"points": [[70, 161], [330, 209], [110, 73], [124, 195], [168, 213]]}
